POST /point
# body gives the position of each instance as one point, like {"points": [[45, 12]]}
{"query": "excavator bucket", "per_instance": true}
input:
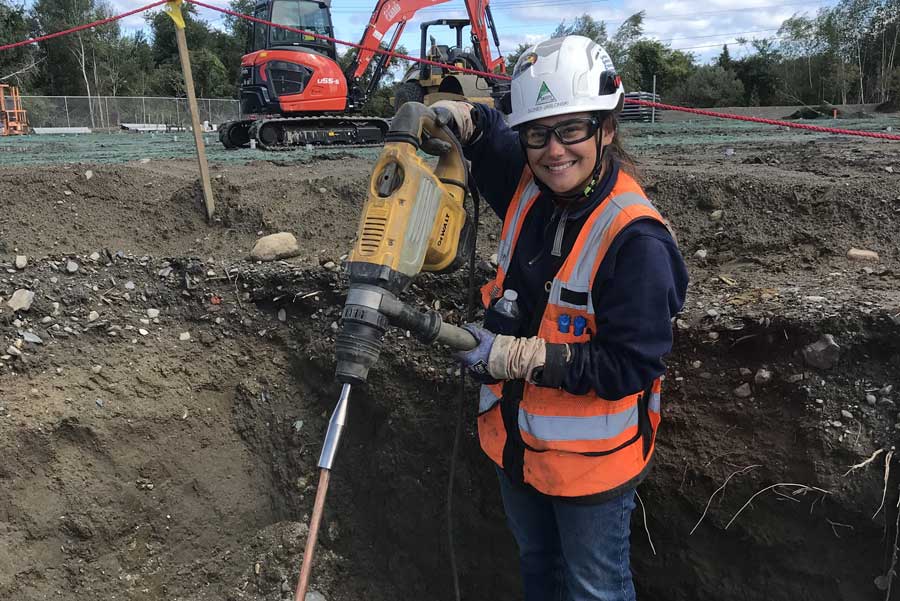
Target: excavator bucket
{"points": [[13, 119]]}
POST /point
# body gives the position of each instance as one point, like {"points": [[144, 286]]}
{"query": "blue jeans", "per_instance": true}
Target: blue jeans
{"points": [[570, 552]]}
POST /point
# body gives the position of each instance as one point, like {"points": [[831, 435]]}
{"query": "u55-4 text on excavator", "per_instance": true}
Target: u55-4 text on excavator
{"points": [[294, 92]]}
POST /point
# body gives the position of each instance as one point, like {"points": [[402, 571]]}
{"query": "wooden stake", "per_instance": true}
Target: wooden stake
{"points": [[195, 114]]}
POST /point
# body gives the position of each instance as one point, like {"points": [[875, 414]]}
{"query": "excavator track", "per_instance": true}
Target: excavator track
{"points": [[291, 133]]}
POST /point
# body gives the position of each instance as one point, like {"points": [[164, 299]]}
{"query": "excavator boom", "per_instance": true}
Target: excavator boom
{"points": [[387, 13], [483, 25]]}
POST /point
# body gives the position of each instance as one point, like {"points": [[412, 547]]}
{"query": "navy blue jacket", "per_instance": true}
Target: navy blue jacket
{"points": [[639, 287]]}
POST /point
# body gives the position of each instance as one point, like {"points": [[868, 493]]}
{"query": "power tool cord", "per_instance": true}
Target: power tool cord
{"points": [[460, 409]]}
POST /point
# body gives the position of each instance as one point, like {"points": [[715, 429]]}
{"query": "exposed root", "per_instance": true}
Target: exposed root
{"points": [[683, 477], [799, 489], [863, 464], [836, 525], [887, 474], [646, 528], [709, 501], [889, 576]]}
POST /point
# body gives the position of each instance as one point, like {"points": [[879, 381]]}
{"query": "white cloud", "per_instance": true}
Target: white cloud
{"points": [[698, 27]]}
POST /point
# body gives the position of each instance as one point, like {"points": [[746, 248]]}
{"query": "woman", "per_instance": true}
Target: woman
{"points": [[570, 405]]}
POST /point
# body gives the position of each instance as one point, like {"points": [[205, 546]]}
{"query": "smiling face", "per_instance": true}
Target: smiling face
{"points": [[562, 167]]}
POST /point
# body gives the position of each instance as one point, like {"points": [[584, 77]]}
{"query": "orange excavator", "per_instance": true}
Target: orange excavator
{"points": [[13, 120], [293, 91]]}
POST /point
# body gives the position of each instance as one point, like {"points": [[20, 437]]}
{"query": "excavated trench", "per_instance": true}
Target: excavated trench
{"points": [[187, 469], [813, 540]]}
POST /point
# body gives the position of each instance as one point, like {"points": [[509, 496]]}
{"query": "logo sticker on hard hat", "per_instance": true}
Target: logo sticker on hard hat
{"points": [[545, 96]]}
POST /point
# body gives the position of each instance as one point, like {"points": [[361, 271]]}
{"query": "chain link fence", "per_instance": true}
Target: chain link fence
{"points": [[109, 112]]}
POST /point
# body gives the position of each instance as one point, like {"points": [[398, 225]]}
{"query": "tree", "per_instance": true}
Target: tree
{"points": [[647, 58], [758, 73], [513, 57], [799, 40], [235, 41], [629, 32], [240, 29], [617, 46], [18, 64], [584, 25], [710, 86], [724, 59], [210, 75], [130, 66], [70, 67], [379, 101], [162, 33], [62, 72]]}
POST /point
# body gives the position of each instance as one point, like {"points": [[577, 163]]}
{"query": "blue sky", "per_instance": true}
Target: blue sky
{"points": [[697, 27]]}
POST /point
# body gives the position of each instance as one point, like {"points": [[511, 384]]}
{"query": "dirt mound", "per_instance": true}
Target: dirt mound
{"points": [[827, 111], [888, 106], [162, 413]]}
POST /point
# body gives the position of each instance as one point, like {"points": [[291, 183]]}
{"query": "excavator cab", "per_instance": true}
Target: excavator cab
{"points": [[308, 15], [428, 83], [286, 68]]}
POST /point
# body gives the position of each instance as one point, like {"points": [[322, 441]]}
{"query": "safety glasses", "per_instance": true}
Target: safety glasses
{"points": [[568, 132]]}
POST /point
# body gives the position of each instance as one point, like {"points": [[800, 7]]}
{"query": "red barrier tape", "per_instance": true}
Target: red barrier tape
{"points": [[831, 130], [670, 107], [320, 36], [50, 36], [818, 128]]}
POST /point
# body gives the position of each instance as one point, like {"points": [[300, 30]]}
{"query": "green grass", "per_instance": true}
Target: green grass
{"points": [[719, 131], [126, 147]]}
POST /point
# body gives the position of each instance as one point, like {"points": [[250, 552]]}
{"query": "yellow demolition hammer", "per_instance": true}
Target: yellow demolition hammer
{"points": [[414, 220]]}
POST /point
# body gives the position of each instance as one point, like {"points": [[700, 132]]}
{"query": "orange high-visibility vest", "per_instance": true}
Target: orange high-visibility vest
{"points": [[559, 443]]}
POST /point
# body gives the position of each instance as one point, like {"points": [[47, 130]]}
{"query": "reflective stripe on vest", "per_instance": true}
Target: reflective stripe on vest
{"points": [[526, 194], [585, 265], [487, 397], [573, 445], [553, 428]]}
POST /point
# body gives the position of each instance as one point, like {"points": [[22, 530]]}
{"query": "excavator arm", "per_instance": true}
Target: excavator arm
{"points": [[387, 13], [482, 24]]}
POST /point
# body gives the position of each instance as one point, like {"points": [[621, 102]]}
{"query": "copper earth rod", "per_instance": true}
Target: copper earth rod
{"points": [[326, 460], [314, 523]]}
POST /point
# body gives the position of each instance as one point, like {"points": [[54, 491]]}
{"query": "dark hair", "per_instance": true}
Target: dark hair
{"points": [[616, 149]]}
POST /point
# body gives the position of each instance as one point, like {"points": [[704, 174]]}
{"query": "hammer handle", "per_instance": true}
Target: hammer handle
{"points": [[456, 338]]}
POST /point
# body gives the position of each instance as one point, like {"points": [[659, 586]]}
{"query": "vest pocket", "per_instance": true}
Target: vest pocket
{"points": [[551, 425]]}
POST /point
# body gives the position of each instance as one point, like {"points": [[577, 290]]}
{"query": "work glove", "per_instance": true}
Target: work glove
{"points": [[456, 115], [475, 361], [514, 358]]}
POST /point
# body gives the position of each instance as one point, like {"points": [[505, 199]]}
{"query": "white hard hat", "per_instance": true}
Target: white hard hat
{"points": [[563, 75]]}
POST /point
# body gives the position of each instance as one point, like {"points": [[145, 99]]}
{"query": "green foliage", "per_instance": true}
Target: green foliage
{"points": [[626, 36], [724, 59], [210, 75], [69, 62], [14, 27], [238, 28], [647, 58], [584, 25], [379, 103], [759, 76], [709, 86], [847, 52], [513, 56], [162, 32], [394, 67]]}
